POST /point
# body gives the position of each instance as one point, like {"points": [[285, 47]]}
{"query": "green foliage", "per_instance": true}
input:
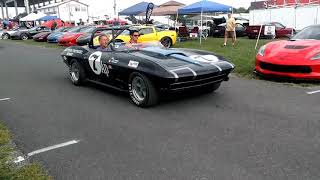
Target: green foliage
{"points": [[7, 170]]}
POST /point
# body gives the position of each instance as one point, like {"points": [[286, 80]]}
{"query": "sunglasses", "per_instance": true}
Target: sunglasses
{"points": [[136, 35]]}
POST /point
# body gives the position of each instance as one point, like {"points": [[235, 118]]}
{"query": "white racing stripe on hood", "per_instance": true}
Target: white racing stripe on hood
{"points": [[232, 66], [217, 66], [182, 68]]}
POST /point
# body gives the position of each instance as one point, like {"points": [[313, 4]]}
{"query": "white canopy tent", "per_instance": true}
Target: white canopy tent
{"points": [[33, 16]]}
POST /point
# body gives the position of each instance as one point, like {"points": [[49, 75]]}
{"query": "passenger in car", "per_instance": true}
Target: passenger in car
{"points": [[134, 36]]}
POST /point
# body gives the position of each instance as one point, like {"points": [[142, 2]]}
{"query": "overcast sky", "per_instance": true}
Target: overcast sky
{"points": [[100, 7]]}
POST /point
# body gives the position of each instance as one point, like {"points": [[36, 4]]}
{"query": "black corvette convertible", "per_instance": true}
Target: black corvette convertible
{"points": [[146, 70]]}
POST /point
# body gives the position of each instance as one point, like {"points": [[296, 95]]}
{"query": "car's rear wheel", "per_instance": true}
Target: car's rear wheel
{"points": [[24, 37], [5, 36], [166, 42], [142, 91], [77, 73]]}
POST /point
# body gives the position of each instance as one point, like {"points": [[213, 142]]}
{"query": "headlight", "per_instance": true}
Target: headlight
{"points": [[316, 57], [262, 50]]}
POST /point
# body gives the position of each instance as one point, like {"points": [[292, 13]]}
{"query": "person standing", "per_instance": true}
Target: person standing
{"points": [[230, 30], [54, 25]]}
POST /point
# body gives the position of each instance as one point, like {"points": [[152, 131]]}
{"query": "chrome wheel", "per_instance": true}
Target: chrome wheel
{"points": [[166, 42], [5, 36], [74, 72], [139, 89], [24, 37]]}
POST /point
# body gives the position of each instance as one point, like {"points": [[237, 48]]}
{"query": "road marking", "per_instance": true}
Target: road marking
{"points": [[313, 92], [21, 158], [5, 99], [52, 147]]}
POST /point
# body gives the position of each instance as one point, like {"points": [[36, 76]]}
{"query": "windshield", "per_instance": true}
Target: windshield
{"points": [[74, 29], [133, 47], [34, 28], [311, 32], [63, 29], [88, 29]]}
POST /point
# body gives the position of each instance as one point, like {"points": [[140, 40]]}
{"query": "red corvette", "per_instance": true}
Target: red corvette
{"points": [[70, 39], [297, 58]]}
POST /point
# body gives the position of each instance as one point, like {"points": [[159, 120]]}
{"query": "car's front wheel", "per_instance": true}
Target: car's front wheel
{"points": [[24, 36], [142, 91], [166, 42], [77, 73], [5, 36]]}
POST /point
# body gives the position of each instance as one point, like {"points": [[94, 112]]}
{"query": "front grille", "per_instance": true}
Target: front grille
{"points": [[285, 68], [199, 81]]}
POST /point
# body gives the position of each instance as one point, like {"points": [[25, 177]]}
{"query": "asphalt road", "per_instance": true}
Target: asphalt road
{"points": [[247, 130]]}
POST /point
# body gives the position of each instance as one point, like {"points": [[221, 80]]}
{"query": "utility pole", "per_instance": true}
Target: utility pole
{"points": [[114, 7]]}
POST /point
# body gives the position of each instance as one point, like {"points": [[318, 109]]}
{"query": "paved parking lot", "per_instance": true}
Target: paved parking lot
{"points": [[248, 129]]}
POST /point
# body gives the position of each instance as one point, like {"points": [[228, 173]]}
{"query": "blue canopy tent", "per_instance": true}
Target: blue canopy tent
{"points": [[135, 9], [47, 18], [204, 6]]}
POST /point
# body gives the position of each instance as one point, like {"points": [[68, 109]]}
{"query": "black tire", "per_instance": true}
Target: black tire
{"points": [[77, 73], [24, 37], [166, 42], [211, 88], [147, 95], [5, 36]]}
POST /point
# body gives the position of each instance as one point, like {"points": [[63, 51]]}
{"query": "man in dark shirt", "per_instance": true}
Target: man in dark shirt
{"points": [[103, 41]]}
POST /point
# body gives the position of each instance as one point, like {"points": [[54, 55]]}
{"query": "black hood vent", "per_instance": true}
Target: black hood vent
{"points": [[294, 47]]}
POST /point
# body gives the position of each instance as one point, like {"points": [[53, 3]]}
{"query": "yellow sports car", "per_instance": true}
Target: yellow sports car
{"points": [[148, 34]]}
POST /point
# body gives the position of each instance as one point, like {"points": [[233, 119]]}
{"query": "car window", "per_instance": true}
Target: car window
{"points": [[145, 31], [311, 32], [125, 32], [239, 27], [278, 25]]}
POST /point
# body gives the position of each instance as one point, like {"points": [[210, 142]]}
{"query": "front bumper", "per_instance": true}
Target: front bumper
{"points": [[301, 72], [66, 43], [189, 83], [52, 40]]}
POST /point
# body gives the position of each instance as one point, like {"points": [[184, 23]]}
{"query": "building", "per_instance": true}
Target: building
{"points": [[291, 13], [71, 10], [282, 3]]}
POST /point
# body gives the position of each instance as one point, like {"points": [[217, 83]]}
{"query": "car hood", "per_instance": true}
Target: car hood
{"points": [[84, 37], [71, 35], [200, 61], [297, 51], [56, 35]]}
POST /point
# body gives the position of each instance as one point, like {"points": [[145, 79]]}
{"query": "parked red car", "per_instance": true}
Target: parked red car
{"points": [[297, 58], [281, 31], [70, 39]]}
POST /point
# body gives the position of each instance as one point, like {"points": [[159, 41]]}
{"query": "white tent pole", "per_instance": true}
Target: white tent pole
{"points": [[175, 23], [201, 22]]}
